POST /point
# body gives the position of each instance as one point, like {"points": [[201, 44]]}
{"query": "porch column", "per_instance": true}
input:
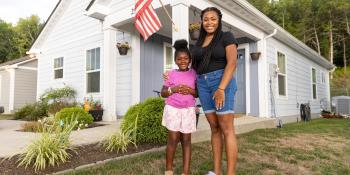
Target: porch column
{"points": [[263, 80], [109, 74], [135, 68], [11, 105], [180, 9]]}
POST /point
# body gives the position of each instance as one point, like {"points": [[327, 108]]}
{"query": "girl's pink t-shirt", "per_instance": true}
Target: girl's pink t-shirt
{"points": [[177, 78]]}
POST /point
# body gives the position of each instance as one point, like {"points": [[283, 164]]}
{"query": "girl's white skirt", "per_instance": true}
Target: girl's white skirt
{"points": [[182, 120]]}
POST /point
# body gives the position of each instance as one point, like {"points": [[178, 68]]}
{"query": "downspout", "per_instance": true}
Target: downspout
{"points": [[264, 65]]}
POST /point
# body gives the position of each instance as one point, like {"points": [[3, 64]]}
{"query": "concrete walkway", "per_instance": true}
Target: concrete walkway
{"points": [[13, 141]]}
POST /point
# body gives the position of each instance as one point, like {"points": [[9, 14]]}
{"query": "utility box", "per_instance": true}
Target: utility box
{"points": [[341, 104]]}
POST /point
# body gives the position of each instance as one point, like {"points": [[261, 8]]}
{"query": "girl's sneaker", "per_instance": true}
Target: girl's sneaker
{"points": [[211, 173], [169, 173]]}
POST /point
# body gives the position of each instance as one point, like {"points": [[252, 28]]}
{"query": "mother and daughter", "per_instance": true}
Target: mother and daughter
{"points": [[207, 72]]}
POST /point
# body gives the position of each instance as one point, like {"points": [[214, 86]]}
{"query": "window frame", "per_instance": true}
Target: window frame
{"points": [[283, 74], [165, 45], [86, 72], [58, 68], [313, 83]]}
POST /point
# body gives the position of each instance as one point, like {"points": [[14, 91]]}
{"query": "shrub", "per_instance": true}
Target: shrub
{"points": [[37, 126], [32, 112], [55, 107], [83, 118], [50, 149], [118, 141], [24, 111], [57, 95], [148, 117]]}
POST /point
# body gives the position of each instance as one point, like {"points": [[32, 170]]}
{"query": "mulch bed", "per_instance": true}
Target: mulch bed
{"points": [[83, 155]]}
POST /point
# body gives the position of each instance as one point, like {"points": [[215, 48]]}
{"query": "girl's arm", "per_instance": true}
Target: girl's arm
{"points": [[164, 92]]}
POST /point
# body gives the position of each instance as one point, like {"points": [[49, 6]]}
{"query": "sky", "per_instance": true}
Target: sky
{"points": [[12, 10]]}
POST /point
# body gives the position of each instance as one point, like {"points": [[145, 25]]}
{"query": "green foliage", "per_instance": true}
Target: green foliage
{"points": [[27, 30], [118, 141], [50, 149], [312, 21], [147, 116], [32, 112], [8, 48], [83, 118], [340, 84], [58, 95]]}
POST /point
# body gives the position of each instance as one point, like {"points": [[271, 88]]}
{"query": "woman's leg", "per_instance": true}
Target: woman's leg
{"points": [[216, 141], [173, 139], [227, 128], [186, 152]]}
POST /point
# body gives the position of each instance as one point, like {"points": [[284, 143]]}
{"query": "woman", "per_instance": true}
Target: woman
{"points": [[214, 59]]}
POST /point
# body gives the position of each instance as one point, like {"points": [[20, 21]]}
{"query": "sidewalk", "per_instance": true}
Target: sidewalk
{"points": [[13, 141]]}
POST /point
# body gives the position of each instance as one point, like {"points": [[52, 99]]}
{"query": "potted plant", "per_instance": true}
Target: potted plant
{"points": [[123, 48], [255, 55], [94, 108], [194, 30]]}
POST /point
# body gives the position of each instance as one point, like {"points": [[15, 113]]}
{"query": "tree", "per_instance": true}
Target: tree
{"points": [[8, 49], [27, 29]]}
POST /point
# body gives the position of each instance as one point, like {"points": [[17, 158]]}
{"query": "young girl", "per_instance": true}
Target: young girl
{"points": [[179, 115]]}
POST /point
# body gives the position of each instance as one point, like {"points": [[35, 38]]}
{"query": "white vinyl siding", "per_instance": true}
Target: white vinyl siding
{"points": [[72, 34], [314, 83], [58, 68], [282, 74], [298, 84], [93, 70]]}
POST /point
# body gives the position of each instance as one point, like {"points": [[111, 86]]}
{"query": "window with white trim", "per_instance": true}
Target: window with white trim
{"points": [[282, 74], [58, 68], [93, 70], [168, 57], [314, 83]]}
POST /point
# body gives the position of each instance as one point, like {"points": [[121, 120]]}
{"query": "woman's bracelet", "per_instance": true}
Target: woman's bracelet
{"points": [[221, 89]]}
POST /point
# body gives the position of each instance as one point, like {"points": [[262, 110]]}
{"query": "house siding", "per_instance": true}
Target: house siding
{"points": [[152, 65], [123, 78], [5, 90], [25, 84], [73, 34], [299, 84]]}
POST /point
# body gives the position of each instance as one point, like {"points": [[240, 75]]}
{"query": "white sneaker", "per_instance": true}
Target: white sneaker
{"points": [[211, 173]]}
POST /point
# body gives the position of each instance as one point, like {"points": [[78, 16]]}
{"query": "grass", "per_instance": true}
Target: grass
{"points": [[7, 117], [321, 146]]}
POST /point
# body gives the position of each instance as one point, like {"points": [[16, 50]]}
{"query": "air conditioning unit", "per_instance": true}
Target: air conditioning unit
{"points": [[342, 105]]}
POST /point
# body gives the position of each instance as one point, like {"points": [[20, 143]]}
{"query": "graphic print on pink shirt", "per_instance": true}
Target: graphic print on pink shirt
{"points": [[177, 78]]}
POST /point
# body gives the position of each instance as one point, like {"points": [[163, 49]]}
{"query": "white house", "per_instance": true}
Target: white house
{"points": [[17, 83], [77, 47]]}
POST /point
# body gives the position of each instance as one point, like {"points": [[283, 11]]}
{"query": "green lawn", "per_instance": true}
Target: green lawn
{"points": [[6, 116], [319, 147]]}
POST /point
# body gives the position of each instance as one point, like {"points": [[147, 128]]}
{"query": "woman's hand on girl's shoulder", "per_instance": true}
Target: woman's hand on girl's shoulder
{"points": [[166, 75]]}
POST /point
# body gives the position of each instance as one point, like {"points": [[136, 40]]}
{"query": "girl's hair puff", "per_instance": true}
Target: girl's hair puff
{"points": [[181, 46]]}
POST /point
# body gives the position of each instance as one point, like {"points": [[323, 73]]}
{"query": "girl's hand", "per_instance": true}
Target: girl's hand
{"points": [[166, 75], [219, 97]]}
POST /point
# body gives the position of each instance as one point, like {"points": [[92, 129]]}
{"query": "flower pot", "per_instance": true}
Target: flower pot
{"points": [[123, 50], [194, 35], [96, 114], [255, 55]]}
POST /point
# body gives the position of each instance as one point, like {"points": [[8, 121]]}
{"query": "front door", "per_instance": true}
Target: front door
{"points": [[240, 100]]}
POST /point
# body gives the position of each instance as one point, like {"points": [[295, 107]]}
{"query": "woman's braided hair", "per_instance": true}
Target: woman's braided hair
{"points": [[209, 49]]}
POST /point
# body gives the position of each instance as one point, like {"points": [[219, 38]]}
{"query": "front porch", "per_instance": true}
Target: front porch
{"points": [[149, 59]]}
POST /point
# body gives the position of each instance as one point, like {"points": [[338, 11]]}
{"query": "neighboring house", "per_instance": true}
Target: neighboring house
{"points": [[17, 83], [77, 47]]}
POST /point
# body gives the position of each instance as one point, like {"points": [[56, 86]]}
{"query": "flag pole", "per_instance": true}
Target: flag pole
{"points": [[167, 13]]}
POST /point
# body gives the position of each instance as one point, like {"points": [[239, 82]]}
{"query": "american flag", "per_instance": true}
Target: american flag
{"points": [[147, 21]]}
